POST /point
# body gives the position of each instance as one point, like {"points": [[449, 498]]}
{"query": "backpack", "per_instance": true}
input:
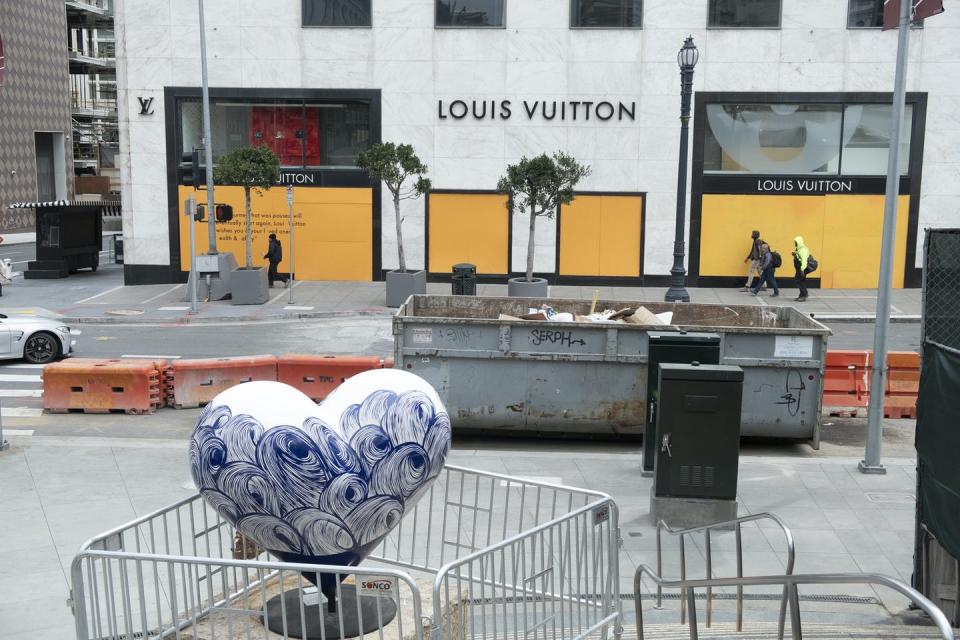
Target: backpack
{"points": [[812, 264], [775, 260]]}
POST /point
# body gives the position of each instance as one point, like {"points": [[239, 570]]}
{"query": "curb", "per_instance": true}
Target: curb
{"points": [[285, 317], [863, 318]]}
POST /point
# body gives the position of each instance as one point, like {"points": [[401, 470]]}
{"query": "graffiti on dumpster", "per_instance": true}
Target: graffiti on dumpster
{"points": [[793, 388], [551, 336]]}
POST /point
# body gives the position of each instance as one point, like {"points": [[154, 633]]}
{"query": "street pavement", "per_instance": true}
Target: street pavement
{"points": [[59, 490]]}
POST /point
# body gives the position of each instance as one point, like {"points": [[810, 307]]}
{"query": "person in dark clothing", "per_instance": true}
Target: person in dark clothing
{"points": [[767, 272], [753, 259], [274, 256]]}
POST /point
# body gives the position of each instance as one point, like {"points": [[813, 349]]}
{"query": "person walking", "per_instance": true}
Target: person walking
{"points": [[753, 259], [274, 256], [800, 257], [768, 267]]}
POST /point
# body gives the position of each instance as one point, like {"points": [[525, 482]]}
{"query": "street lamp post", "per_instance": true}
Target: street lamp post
{"points": [[687, 59]]}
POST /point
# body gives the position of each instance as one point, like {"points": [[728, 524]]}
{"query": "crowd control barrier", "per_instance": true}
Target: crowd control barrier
{"points": [[102, 386], [318, 375], [848, 379], [194, 383], [481, 556]]}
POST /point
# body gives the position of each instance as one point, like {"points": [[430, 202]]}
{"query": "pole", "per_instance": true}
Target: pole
{"points": [[871, 460], [677, 291], [292, 271], [207, 140], [191, 220]]}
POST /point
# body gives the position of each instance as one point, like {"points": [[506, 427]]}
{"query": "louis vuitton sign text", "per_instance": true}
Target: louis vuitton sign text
{"points": [[563, 110]]}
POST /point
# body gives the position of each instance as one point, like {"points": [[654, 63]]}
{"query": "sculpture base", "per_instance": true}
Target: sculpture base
{"points": [[322, 623]]}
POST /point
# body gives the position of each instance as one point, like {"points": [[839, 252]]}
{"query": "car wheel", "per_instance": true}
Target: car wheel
{"points": [[41, 348]]}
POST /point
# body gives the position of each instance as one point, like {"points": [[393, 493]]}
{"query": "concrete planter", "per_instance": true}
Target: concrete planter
{"points": [[249, 286], [523, 288], [403, 284]]}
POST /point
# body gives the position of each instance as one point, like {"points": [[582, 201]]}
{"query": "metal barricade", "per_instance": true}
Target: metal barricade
{"points": [[481, 555]]}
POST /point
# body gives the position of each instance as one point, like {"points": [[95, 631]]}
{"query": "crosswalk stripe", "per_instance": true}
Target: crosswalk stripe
{"points": [[21, 412], [21, 393], [7, 377], [21, 365], [18, 432]]}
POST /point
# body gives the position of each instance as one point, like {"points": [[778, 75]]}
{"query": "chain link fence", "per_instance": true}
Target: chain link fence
{"points": [[941, 303]]}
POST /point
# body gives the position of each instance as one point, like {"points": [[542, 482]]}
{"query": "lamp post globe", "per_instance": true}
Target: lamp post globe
{"points": [[687, 59]]}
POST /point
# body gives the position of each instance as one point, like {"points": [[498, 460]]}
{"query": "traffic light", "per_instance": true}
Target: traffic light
{"points": [[188, 171], [224, 213]]}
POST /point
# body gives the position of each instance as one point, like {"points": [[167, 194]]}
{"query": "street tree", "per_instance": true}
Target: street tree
{"points": [[538, 186], [395, 165], [253, 168]]}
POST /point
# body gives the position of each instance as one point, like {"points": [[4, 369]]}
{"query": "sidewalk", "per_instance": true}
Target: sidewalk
{"points": [[58, 490], [101, 297]]}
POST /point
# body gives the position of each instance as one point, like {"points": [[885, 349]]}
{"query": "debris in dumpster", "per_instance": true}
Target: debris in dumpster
{"points": [[628, 315]]}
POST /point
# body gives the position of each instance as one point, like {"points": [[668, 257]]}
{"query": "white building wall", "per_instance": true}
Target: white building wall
{"points": [[260, 44]]}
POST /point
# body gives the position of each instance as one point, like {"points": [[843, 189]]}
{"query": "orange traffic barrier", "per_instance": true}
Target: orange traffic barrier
{"points": [[101, 386], [846, 382], [903, 384], [194, 383], [387, 363], [318, 375]]}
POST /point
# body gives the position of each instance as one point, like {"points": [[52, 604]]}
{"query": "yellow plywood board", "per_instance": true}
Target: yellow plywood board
{"points": [[472, 228], [600, 236], [841, 231], [853, 231], [333, 230], [727, 221]]}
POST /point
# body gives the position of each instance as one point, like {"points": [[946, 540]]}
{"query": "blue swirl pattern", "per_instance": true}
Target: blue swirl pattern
{"points": [[314, 491]]}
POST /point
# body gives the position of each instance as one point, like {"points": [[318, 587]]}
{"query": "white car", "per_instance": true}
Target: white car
{"points": [[36, 339]]}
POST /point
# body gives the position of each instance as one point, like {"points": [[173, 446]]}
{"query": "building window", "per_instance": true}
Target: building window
{"points": [[303, 134], [470, 13], [801, 139], [611, 14], [868, 14], [744, 14], [336, 13], [866, 140]]}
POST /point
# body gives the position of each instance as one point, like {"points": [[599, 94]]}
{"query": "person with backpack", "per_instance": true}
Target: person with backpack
{"points": [[274, 256], [804, 263], [769, 261], [753, 259]]}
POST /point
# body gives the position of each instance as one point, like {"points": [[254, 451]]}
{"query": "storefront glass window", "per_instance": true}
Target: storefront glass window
{"points": [[622, 14], [773, 138], [336, 13], [868, 14], [470, 13], [732, 14], [866, 140], [301, 134]]}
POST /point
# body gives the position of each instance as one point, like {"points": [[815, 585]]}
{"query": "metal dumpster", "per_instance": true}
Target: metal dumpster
{"points": [[532, 377]]}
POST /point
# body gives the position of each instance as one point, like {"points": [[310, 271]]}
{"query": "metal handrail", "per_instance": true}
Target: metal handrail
{"points": [[706, 529], [790, 583]]}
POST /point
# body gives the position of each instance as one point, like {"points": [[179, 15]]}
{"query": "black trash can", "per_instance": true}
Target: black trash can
{"points": [[464, 279]]}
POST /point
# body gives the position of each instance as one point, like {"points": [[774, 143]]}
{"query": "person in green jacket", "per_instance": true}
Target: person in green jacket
{"points": [[800, 256]]}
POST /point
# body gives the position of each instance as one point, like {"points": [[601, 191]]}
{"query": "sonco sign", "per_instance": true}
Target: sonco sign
{"points": [[377, 586]]}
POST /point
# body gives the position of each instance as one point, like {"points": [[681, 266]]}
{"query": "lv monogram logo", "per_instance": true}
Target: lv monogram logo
{"points": [[146, 106]]}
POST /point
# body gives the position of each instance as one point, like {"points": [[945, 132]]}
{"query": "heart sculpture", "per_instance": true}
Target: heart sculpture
{"points": [[321, 485]]}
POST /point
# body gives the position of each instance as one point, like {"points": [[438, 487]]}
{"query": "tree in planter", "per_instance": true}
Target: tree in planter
{"points": [[394, 164], [539, 185], [254, 169]]}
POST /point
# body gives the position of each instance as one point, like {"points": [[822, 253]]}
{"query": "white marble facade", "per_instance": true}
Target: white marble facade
{"points": [[260, 44]]}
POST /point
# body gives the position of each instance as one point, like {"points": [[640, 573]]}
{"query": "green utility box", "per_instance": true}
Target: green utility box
{"points": [[677, 347], [698, 444]]}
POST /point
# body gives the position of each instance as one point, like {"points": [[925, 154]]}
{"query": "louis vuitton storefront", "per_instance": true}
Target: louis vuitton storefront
{"points": [[475, 91]]}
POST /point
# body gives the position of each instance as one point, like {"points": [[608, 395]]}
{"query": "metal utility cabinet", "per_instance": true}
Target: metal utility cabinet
{"points": [[517, 376], [679, 347], [698, 431]]}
